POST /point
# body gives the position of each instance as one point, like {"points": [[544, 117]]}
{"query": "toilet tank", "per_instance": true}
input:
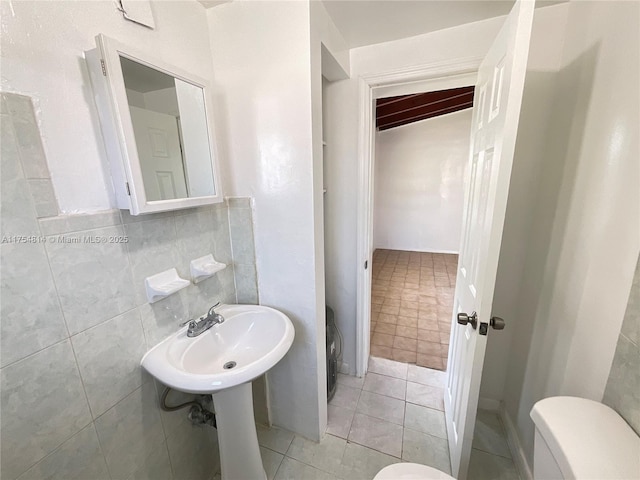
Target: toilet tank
{"points": [[578, 438]]}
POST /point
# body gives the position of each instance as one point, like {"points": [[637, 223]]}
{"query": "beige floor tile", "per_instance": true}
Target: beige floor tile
{"points": [[383, 385], [381, 352], [426, 300], [426, 449], [291, 469], [409, 304], [408, 332], [395, 302], [382, 339], [403, 356], [394, 292], [427, 335], [325, 455], [402, 343], [408, 322], [382, 406], [489, 435], [444, 326], [408, 312], [430, 361], [425, 395], [426, 376], [387, 318], [426, 324], [350, 380], [388, 367], [377, 434], [429, 312], [409, 296], [345, 397], [390, 309], [485, 466], [363, 463], [274, 438], [339, 420], [430, 348], [388, 328], [407, 280]]}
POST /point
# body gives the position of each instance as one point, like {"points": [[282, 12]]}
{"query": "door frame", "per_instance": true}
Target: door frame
{"points": [[443, 75]]}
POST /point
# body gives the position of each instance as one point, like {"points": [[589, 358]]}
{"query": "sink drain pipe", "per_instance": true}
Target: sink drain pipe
{"points": [[198, 414]]}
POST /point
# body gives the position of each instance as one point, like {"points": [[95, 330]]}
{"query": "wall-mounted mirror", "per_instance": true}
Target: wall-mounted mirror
{"points": [[158, 129]]}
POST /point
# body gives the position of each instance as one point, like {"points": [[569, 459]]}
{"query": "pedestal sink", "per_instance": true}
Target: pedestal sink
{"points": [[222, 361]]}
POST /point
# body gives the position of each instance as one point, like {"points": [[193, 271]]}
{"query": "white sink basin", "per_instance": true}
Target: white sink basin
{"points": [[252, 336], [250, 341]]}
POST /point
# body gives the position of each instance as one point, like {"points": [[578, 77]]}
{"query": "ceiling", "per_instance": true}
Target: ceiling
{"points": [[365, 22], [397, 111]]}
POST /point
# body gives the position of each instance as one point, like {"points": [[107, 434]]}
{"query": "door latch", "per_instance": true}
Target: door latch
{"points": [[496, 323]]}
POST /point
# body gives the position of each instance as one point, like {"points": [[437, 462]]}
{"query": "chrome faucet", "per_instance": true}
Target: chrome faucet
{"points": [[196, 327]]}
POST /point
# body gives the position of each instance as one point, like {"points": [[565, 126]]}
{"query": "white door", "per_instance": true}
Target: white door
{"points": [[158, 144], [496, 112]]}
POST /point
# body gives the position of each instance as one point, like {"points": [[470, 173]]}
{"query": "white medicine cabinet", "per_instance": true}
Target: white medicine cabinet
{"points": [[157, 124]]}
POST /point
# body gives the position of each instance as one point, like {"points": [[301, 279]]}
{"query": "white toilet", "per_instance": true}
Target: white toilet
{"points": [[580, 438], [411, 471], [575, 438]]}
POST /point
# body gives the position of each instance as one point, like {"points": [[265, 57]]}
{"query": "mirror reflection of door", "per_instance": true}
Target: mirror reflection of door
{"points": [[160, 154], [171, 132]]}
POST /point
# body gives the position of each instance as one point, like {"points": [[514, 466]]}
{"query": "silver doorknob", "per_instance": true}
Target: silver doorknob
{"points": [[464, 319], [497, 323]]}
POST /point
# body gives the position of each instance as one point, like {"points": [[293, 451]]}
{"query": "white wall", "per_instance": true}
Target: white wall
{"points": [[419, 191], [585, 230], [471, 40], [268, 68], [545, 56], [48, 65]]}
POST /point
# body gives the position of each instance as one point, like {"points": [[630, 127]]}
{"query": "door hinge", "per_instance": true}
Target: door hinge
{"points": [[366, 264], [128, 189], [104, 67]]}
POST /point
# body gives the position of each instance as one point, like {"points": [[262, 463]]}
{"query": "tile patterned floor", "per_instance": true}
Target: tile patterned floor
{"points": [[411, 305], [394, 414]]}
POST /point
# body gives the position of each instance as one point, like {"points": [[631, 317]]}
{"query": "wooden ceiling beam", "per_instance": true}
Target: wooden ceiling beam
{"points": [[398, 122], [396, 111]]}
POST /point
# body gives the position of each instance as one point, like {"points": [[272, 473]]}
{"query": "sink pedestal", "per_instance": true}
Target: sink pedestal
{"points": [[237, 437]]}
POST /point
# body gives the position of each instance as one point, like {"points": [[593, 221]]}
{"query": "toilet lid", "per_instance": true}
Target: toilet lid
{"points": [[411, 471]]}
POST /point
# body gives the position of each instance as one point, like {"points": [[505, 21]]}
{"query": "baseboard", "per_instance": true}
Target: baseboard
{"points": [[517, 452], [489, 404]]}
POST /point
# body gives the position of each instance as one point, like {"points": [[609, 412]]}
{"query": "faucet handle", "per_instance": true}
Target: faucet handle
{"points": [[192, 323], [212, 309]]}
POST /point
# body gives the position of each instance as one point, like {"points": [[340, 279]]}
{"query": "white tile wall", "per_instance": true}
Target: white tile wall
{"points": [[75, 323]]}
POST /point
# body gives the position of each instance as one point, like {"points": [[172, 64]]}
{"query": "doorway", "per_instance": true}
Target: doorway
{"points": [[429, 78], [421, 156]]}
